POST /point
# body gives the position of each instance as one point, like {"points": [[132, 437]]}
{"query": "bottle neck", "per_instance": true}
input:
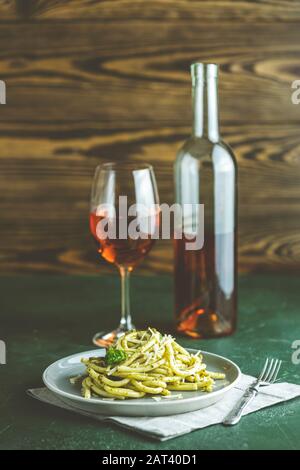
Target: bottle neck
{"points": [[205, 109]]}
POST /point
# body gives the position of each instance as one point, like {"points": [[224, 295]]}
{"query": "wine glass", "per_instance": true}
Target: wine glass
{"points": [[124, 221]]}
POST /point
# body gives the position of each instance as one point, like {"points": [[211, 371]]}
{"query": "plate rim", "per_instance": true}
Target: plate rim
{"points": [[130, 403]]}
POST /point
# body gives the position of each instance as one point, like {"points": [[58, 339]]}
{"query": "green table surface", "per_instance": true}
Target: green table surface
{"points": [[43, 318]]}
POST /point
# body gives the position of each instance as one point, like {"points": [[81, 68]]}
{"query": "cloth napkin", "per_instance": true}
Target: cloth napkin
{"points": [[168, 427]]}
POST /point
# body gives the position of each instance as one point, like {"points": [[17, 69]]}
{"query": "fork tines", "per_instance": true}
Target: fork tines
{"points": [[270, 371]]}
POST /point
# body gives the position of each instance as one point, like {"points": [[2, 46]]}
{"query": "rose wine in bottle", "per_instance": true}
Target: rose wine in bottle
{"points": [[206, 173]]}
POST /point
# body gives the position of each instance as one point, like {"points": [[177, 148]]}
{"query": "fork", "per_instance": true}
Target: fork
{"points": [[267, 376]]}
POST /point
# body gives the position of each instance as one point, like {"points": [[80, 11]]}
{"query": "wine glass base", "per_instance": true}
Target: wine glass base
{"points": [[105, 339]]}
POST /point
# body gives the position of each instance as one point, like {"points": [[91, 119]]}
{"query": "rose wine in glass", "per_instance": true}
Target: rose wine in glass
{"points": [[124, 221], [126, 252]]}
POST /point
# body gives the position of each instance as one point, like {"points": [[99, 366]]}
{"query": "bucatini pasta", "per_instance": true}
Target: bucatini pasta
{"points": [[145, 363]]}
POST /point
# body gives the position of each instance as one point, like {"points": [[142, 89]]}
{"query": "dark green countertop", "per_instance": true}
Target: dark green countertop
{"points": [[43, 318]]}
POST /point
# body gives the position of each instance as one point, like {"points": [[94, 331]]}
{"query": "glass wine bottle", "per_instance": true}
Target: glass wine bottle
{"points": [[206, 174]]}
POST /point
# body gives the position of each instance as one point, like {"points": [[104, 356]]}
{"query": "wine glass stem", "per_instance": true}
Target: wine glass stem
{"points": [[125, 323]]}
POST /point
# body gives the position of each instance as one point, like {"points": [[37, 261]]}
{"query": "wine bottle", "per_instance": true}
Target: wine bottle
{"points": [[206, 174]]}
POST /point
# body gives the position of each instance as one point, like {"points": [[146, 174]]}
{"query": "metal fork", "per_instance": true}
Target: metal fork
{"points": [[267, 376]]}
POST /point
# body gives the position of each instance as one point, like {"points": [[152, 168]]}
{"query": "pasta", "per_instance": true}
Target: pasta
{"points": [[145, 363]]}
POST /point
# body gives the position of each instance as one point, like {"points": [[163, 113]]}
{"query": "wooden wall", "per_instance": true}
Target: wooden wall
{"points": [[99, 80]]}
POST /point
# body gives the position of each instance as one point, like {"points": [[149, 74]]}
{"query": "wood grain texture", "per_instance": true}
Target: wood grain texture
{"points": [[212, 10], [92, 81], [82, 70], [46, 182], [8, 10]]}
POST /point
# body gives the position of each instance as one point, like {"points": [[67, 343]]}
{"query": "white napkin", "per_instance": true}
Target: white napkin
{"points": [[168, 427]]}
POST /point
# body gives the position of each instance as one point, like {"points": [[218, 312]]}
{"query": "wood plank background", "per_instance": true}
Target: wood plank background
{"points": [[91, 80]]}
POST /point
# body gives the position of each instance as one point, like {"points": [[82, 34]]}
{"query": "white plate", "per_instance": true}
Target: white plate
{"points": [[56, 378]]}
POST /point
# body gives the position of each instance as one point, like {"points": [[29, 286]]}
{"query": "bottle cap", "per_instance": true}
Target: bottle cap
{"points": [[202, 72]]}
